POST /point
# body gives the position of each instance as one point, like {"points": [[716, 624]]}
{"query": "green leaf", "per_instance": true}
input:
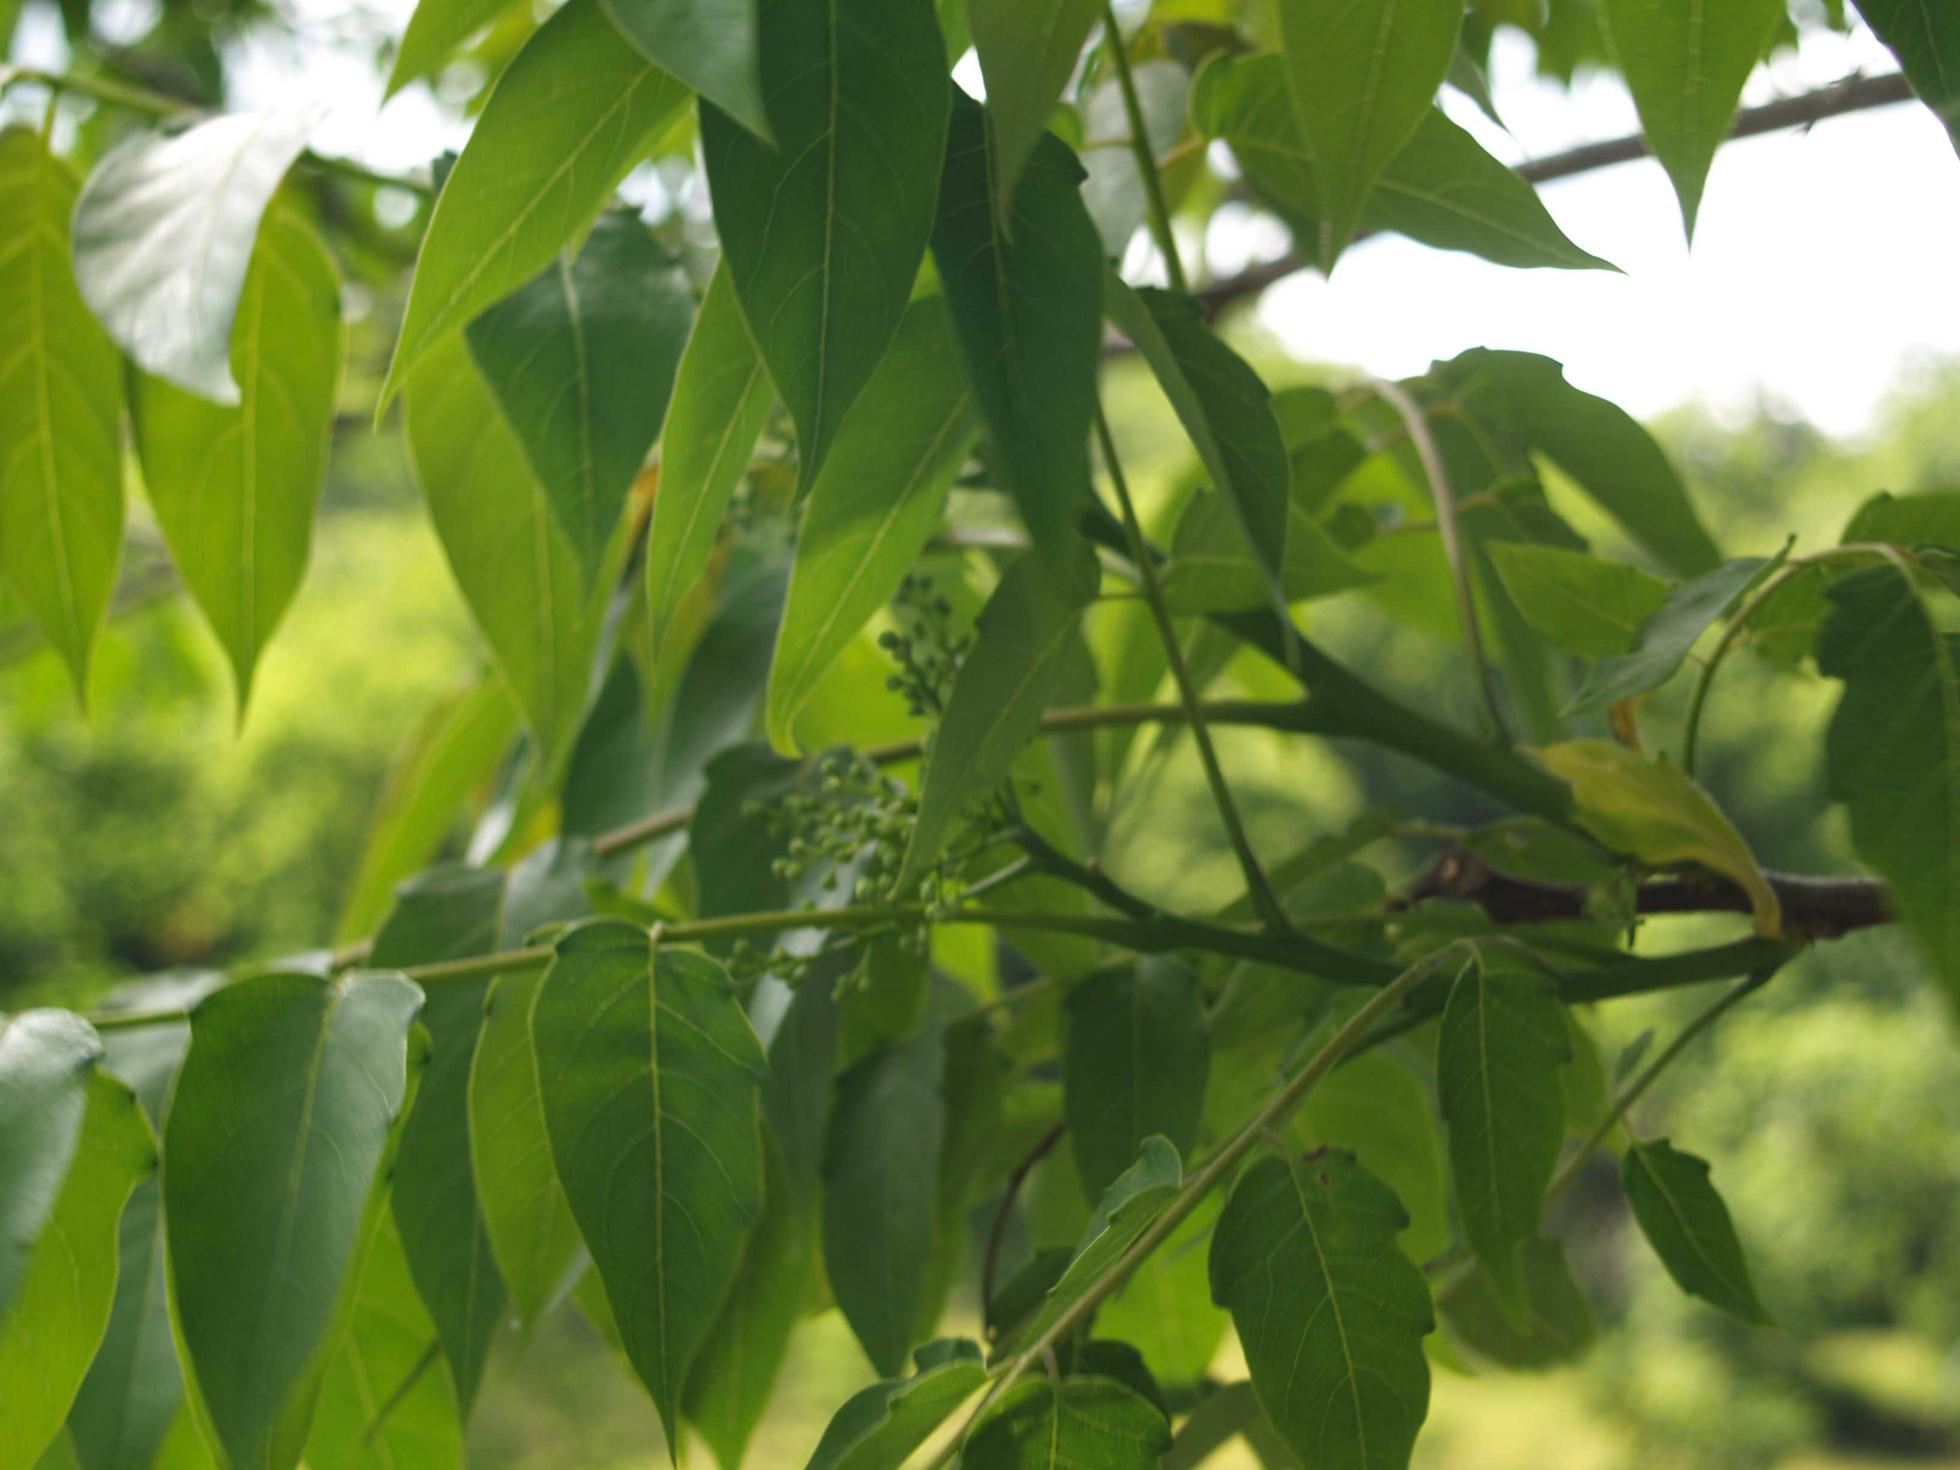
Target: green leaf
{"points": [[279, 1128], [1213, 570], [709, 44], [999, 693], [1377, 1109], [435, 30], [1165, 1306], [1664, 638], [1653, 811], [802, 1053], [875, 504], [1028, 50], [1606, 452], [1585, 604], [1559, 1320], [1225, 409], [1441, 189], [880, 1194], [46, 1060], [722, 397], [1688, 1226], [581, 360], [1076, 1424], [1363, 74], [570, 115], [823, 234], [1025, 287], [1893, 752], [515, 566], [61, 498], [879, 1427], [1498, 1056], [1685, 65], [649, 1072], [384, 1403], [234, 488], [1134, 1199], [1330, 1312], [1925, 36], [164, 233], [50, 1333], [532, 1234], [1134, 1062]]}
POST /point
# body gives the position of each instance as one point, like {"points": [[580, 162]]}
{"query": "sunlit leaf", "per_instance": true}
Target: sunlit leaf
{"points": [[1028, 50], [436, 29], [46, 1060]]}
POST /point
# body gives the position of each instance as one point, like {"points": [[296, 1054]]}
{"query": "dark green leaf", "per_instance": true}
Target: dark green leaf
{"points": [[709, 44], [1076, 1424], [887, 991], [1026, 297], [999, 693], [1363, 76], [46, 1060], [279, 1128], [880, 1195], [1331, 1313], [234, 487], [1688, 1226], [164, 232], [581, 359], [879, 1426], [823, 233], [649, 1073], [1559, 1318], [1028, 50], [61, 494], [1925, 35], [1685, 65], [1497, 1076], [575, 109], [802, 1054], [1666, 635], [1582, 603], [1213, 570], [1377, 1109], [1133, 1064], [436, 29], [1893, 752], [874, 505]]}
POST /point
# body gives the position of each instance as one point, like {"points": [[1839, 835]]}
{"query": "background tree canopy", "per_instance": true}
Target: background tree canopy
{"points": [[1018, 875]]}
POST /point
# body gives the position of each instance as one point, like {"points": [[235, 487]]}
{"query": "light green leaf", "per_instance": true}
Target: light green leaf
{"points": [[385, 1405], [879, 1426], [532, 1234], [1498, 1056], [722, 397], [1664, 638], [1363, 74], [1134, 1061], [279, 1128], [1583, 603], [1925, 36], [1441, 189], [1025, 286], [880, 1195], [1688, 1226], [234, 487], [1212, 570], [823, 234], [1330, 1312], [1559, 1320], [1226, 411], [1685, 65], [1652, 811], [164, 233], [1606, 452], [61, 499], [1893, 752], [581, 359], [515, 566], [46, 1060], [50, 1333], [1127, 1208], [570, 115], [1028, 50], [1165, 1309], [436, 29], [1076, 1424], [1377, 1109], [709, 44], [1114, 191], [999, 693], [875, 504], [649, 1071]]}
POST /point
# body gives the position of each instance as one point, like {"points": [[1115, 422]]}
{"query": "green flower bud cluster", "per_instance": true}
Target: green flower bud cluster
{"points": [[927, 654]]}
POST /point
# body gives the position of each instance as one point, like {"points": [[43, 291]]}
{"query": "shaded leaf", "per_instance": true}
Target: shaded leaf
{"points": [[1586, 604], [1688, 1226], [1076, 1424], [1213, 570], [878, 1427], [1925, 36], [1133, 1064], [1560, 1326], [1666, 635], [709, 44], [1028, 50], [1377, 1109]]}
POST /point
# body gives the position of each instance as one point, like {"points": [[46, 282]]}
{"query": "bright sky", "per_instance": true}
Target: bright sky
{"points": [[1824, 262]]}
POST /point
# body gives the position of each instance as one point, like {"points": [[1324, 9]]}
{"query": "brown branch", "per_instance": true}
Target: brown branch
{"points": [[1018, 1176], [1853, 94]]}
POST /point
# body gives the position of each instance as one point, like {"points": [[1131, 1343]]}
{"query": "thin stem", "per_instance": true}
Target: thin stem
{"points": [[1146, 157], [1221, 793], [1016, 1177]]}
